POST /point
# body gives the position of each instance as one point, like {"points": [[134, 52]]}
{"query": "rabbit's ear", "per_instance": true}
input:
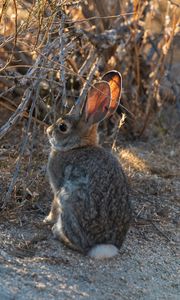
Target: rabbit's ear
{"points": [[97, 103], [115, 82]]}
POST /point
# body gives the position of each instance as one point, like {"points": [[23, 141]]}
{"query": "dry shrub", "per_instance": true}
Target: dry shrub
{"points": [[52, 51]]}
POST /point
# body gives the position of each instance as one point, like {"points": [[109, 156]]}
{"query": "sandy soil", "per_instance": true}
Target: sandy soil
{"points": [[35, 266]]}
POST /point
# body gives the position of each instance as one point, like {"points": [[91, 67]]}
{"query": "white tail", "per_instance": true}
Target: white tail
{"points": [[102, 251]]}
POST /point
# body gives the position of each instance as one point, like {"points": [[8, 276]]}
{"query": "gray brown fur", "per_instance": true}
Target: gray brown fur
{"points": [[91, 204]]}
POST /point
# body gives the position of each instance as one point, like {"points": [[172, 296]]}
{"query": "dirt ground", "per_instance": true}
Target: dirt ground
{"points": [[35, 266]]}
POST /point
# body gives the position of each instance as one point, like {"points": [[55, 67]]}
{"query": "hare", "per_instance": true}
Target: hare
{"points": [[91, 209]]}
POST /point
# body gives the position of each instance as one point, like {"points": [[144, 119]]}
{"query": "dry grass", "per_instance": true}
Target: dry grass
{"points": [[51, 52]]}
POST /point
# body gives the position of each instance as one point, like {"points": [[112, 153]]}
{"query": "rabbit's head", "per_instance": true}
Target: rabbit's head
{"points": [[78, 128]]}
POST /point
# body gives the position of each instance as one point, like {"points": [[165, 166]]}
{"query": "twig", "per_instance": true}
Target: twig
{"points": [[87, 83], [121, 122], [27, 94], [88, 62], [161, 232], [102, 9], [72, 63], [13, 107], [21, 108], [29, 165], [101, 17], [23, 147], [7, 91], [62, 63]]}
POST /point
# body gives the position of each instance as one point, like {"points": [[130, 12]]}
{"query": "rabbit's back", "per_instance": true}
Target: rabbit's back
{"points": [[91, 167]]}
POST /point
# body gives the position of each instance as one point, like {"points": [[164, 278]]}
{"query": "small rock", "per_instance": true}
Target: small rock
{"points": [[40, 286]]}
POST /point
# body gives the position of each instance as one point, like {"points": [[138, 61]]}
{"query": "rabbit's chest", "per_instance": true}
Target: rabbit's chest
{"points": [[55, 173], [66, 175], [75, 177]]}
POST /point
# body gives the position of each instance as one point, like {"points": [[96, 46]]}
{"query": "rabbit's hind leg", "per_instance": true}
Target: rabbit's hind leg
{"points": [[68, 230], [58, 233]]}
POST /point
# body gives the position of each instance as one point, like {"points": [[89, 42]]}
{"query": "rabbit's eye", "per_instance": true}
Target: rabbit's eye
{"points": [[63, 127]]}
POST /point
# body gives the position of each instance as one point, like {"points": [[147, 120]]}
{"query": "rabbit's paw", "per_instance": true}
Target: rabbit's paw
{"points": [[49, 219], [56, 229]]}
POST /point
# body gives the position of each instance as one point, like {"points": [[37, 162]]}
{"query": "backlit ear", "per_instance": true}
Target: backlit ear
{"points": [[115, 82], [97, 103]]}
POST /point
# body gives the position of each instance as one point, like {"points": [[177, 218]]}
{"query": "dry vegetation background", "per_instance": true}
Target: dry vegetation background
{"points": [[52, 51]]}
